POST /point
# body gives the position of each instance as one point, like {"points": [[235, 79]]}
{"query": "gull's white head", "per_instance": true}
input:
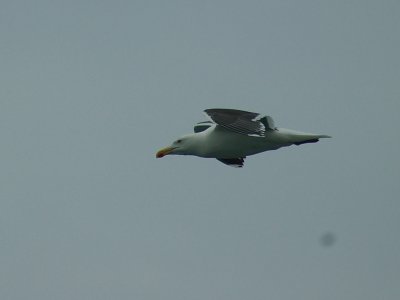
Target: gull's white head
{"points": [[186, 145]]}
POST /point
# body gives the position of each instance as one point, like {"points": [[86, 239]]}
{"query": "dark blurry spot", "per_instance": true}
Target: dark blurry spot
{"points": [[328, 239]]}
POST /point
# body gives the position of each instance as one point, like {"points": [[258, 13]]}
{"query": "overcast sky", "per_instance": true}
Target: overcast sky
{"points": [[90, 90]]}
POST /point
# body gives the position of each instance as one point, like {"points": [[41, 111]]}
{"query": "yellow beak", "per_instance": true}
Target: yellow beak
{"points": [[164, 151]]}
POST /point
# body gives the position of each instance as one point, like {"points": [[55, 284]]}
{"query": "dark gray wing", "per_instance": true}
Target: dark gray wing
{"points": [[240, 121], [201, 126], [233, 162]]}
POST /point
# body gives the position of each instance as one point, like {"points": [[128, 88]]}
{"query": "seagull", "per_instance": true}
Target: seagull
{"points": [[231, 135]]}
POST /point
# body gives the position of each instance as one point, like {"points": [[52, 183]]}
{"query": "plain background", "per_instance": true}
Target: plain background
{"points": [[90, 90]]}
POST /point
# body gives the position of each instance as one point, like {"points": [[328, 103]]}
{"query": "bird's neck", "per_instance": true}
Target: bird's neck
{"points": [[197, 144]]}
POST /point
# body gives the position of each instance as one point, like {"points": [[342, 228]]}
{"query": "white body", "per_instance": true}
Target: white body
{"points": [[217, 142]]}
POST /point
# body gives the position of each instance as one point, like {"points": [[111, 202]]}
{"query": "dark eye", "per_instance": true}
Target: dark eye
{"points": [[179, 141]]}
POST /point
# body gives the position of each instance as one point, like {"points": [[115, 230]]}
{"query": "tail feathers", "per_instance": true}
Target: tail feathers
{"points": [[314, 139], [306, 142]]}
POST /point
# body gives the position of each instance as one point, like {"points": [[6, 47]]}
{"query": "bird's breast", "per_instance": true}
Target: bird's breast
{"points": [[225, 144]]}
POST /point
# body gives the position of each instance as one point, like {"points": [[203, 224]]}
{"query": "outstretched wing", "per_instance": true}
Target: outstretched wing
{"points": [[233, 162], [242, 122], [201, 126]]}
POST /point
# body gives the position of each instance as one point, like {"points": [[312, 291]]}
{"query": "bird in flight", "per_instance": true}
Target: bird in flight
{"points": [[231, 135]]}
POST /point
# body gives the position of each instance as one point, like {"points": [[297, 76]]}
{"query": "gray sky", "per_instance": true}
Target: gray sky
{"points": [[91, 89]]}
